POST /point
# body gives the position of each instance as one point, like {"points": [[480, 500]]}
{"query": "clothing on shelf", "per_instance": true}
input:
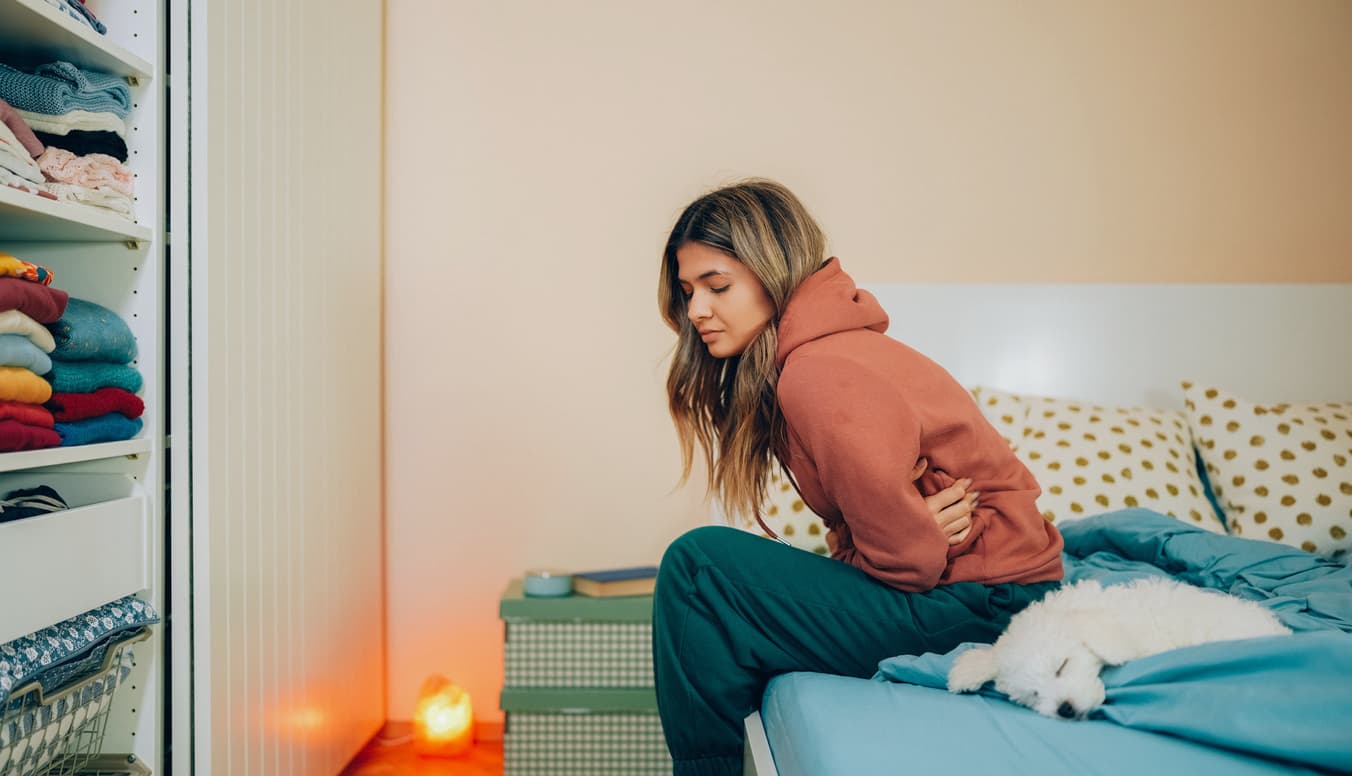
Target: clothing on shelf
{"points": [[70, 121], [104, 199], [77, 11], [15, 158], [59, 87], [23, 184], [15, 322], [21, 436], [88, 331], [94, 384], [18, 350], [95, 171], [27, 414], [31, 502], [69, 407], [89, 376], [43, 304], [27, 137], [113, 427], [22, 385], [14, 267], [83, 142]]}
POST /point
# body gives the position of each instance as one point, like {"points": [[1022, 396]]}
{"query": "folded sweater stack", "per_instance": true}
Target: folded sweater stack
{"points": [[27, 301], [93, 384], [64, 131]]}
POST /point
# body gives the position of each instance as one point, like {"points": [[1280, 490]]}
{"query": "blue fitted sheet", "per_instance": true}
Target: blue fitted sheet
{"points": [[1214, 708], [820, 725]]}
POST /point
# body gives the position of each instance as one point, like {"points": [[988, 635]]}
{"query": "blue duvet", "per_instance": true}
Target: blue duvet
{"points": [[1287, 698]]}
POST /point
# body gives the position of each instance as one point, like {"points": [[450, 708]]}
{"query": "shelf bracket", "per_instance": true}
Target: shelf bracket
{"points": [[133, 80], [132, 245]]}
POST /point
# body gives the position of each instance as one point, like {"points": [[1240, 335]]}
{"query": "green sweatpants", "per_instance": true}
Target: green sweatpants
{"points": [[732, 610]]}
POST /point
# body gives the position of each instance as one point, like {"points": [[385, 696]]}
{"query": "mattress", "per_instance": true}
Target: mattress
{"points": [[1273, 705], [907, 729]]}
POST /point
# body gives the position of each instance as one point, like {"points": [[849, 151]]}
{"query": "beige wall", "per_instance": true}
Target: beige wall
{"points": [[538, 152]]}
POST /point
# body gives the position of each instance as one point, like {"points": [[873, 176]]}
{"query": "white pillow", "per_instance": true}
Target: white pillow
{"points": [[1281, 471], [1091, 459], [1007, 412], [786, 514]]}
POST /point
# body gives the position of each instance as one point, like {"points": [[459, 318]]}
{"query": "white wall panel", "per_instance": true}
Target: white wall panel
{"points": [[286, 274]]}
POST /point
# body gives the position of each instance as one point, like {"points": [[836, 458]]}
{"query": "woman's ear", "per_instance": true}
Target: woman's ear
{"points": [[972, 669]]}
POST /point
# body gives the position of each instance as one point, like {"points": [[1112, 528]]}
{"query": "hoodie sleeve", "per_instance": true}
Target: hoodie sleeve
{"points": [[862, 438]]}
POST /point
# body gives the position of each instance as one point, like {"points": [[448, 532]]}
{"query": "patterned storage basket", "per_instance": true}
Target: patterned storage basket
{"points": [[579, 654], [584, 745], [578, 687], [62, 733]]}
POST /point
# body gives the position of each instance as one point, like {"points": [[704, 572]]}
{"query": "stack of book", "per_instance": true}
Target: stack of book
{"points": [[638, 580]]}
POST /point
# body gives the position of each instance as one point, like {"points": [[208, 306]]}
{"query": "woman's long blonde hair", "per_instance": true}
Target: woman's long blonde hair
{"points": [[728, 405]]}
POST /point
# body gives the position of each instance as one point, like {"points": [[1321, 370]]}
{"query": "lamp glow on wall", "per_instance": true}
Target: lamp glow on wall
{"points": [[443, 720]]}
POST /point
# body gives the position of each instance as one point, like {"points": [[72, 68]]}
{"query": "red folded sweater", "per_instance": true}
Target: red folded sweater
{"points": [[30, 414], [21, 436], [43, 304], [68, 407]]}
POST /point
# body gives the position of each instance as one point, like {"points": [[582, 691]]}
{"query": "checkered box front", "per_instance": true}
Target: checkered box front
{"points": [[584, 745], [581, 654]]}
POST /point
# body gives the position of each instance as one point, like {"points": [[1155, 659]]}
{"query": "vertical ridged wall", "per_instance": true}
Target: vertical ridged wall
{"points": [[286, 362]]}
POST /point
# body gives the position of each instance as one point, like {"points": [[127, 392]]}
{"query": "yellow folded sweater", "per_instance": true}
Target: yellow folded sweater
{"points": [[19, 384]]}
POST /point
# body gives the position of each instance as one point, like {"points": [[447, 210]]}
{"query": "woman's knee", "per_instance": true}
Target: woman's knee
{"points": [[696, 548]]}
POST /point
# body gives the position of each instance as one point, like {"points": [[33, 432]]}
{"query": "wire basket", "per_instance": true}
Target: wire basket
{"points": [[62, 733]]}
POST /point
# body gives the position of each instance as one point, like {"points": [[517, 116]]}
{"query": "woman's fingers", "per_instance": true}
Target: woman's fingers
{"points": [[958, 538], [949, 496], [958, 516]]}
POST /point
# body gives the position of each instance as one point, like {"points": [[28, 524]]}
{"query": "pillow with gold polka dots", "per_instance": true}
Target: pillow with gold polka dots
{"points": [[1091, 459], [786, 514], [1005, 411], [1282, 472]]}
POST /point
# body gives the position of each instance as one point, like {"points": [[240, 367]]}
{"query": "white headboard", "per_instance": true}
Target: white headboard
{"points": [[1133, 344]]}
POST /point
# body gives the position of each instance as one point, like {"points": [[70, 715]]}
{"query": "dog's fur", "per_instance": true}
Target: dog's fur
{"points": [[1049, 657]]}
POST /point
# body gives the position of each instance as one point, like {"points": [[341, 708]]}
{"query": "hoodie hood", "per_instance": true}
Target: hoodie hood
{"points": [[826, 303]]}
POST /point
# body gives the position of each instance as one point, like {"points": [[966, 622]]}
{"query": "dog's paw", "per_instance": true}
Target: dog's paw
{"points": [[972, 669]]}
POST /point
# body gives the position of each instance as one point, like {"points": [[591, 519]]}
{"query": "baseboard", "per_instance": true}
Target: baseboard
{"points": [[484, 730]]}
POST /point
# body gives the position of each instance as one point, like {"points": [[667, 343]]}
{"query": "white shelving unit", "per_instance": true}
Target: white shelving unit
{"points": [[111, 542], [24, 216], [34, 29]]}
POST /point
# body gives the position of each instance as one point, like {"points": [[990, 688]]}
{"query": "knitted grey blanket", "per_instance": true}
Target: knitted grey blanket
{"points": [[60, 87]]}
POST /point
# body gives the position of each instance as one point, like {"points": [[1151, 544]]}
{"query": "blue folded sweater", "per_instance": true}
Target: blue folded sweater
{"points": [[113, 427], [18, 350], [89, 376], [91, 332]]}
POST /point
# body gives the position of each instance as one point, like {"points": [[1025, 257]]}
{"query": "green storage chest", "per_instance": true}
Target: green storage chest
{"points": [[578, 687]]}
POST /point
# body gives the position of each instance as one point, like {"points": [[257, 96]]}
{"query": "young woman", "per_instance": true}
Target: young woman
{"points": [[781, 360]]}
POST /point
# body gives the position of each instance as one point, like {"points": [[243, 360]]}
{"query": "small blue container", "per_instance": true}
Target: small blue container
{"points": [[547, 583]]}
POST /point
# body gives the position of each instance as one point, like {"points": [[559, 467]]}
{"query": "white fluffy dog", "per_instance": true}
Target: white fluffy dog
{"points": [[1049, 657]]}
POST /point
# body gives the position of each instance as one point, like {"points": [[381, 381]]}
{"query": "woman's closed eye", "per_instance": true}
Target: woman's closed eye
{"points": [[721, 290]]}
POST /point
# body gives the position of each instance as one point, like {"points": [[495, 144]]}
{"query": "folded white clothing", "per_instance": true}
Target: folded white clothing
{"points": [[65, 123], [15, 158], [102, 197], [15, 322], [13, 181]]}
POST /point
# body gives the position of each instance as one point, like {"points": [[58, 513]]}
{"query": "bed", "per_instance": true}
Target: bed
{"points": [[1269, 377]]}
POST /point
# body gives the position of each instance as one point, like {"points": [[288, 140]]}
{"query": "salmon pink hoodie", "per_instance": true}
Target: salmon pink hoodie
{"points": [[862, 409]]}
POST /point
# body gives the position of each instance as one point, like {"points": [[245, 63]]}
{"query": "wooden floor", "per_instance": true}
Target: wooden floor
{"points": [[384, 759]]}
